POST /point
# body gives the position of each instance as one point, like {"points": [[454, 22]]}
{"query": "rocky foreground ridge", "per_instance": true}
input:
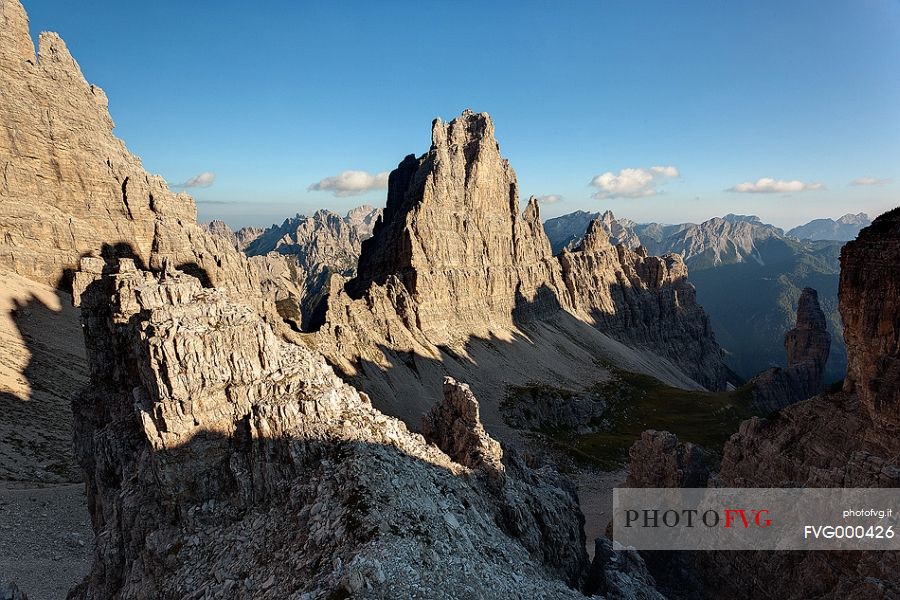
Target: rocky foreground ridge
{"points": [[224, 462], [846, 438]]}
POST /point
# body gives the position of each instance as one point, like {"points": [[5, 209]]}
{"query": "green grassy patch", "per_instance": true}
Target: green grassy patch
{"points": [[639, 402]]}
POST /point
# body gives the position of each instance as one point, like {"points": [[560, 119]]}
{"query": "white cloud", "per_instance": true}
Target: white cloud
{"points": [[204, 179], [550, 199], [351, 183], [632, 183], [767, 185], [869, 181]]}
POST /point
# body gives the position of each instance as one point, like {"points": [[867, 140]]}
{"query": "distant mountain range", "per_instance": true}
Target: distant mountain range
{"points": [[843, 230], [301, 254], [748, 275]]}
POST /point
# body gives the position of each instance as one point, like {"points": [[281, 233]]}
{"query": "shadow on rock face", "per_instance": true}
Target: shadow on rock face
{"points": [[221, 457]]}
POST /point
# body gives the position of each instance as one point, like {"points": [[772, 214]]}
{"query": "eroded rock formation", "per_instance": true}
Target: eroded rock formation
{"points": [[658, 459], [239, 239], [807, 346], [645, 301], [870, 309], [221, 458], [454, 426], [453, 265], [70, 188], [453, 235], [839, 439]]}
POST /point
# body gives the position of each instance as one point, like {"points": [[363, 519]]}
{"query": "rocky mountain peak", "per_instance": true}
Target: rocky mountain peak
{"points": [[469, 131], [15, 41], [733, 218], [809, 340], [596, 236], [857, 219], [452, 216]]}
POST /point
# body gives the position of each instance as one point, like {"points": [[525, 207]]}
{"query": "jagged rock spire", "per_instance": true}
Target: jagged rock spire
{"points": [[453, 234], [809, 341], [15, 41], [596, 236]]}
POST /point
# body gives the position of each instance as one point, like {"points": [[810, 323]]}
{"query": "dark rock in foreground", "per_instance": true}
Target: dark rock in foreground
{"points": [[840, 439], [221, 458]]}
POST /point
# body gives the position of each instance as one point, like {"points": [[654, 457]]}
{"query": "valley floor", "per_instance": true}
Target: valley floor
{"points": [[45, 538]]}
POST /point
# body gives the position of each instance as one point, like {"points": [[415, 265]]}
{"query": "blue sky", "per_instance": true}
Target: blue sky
{"points": [[788, 101]]}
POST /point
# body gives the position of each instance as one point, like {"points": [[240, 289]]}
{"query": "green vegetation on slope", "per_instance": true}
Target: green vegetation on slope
{"points": [[637, 402]]}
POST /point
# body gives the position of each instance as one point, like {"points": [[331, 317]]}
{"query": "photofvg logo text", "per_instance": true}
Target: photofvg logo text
{"points": [[688, 517], [755, 518]]}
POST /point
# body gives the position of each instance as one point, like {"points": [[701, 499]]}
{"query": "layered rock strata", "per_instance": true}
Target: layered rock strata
{"points": [[70, 188], [453, 261], [870, 309], [219, 458], [645, 301]]}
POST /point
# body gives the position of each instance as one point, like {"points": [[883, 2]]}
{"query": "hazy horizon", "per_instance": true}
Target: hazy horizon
{"points": [[658, 112], [209, 212]]}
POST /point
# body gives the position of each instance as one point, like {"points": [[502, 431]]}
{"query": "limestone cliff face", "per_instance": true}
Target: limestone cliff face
{"points": [[807, 346], [453, 235], [453, 260], [840, 439], [221, 458], [642, 300], [870, 309], [70, 188]]}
